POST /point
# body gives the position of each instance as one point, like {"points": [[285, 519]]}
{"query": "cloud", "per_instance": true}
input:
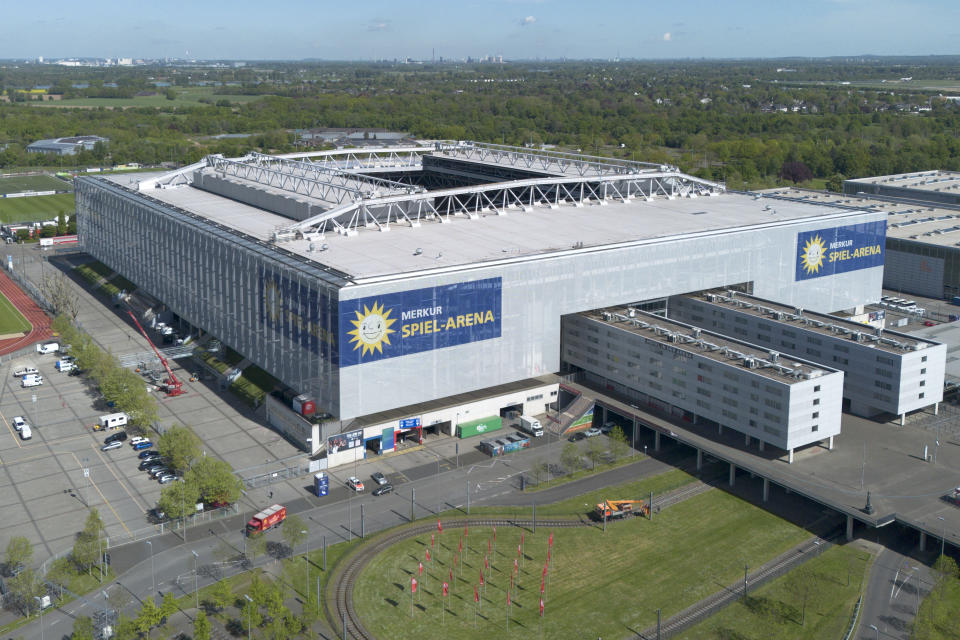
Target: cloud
{"points": [[667, 37], [527, 21], [378, 25]]}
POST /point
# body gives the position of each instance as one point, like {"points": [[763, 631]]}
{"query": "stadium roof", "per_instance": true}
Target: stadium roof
{"points": [[921, 180], [577, 204]]}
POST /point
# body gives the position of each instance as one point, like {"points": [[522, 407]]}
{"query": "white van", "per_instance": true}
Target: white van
{"points": [[25, 371], [112, 421], [33, 380], [65, 365], [25, 433], [48, 347]]}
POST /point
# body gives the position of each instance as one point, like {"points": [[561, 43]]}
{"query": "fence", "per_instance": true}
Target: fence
{"points": [[173, 525], [853, 619], [31, 289], [267, 474]]}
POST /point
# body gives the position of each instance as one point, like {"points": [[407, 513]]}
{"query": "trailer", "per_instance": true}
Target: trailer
{"points": [[267, 519]]}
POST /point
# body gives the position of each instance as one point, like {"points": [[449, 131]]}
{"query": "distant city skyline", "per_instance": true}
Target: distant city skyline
{"points": [[514, 29]]}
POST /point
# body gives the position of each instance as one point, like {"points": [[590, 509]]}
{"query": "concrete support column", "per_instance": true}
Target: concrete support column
{"points": [[923, 542], [766, 489], [849, 528], [656, 441], [695, 416], [936, 408], [603, 415], [761, 444], [830, 443], [719, 429], [746, 439], [903, 419], [699, 459], [790, 456], [733, 474]]}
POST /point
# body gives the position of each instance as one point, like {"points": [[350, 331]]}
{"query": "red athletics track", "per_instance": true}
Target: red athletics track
{"points": [[34, 315]]}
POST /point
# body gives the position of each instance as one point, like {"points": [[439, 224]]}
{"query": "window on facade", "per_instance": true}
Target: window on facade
{"points": [[816, 401], [816, 414], [816, 388], [921, 395], [815, 427], [922, 371], [923, 383]]}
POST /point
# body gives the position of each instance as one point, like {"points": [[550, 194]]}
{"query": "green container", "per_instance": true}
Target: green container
{"points": [[479, 427]]}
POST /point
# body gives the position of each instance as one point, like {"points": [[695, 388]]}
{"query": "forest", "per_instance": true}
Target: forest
{"points": [[741, 122]]}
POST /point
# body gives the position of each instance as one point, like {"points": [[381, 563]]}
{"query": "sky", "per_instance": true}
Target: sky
{"points": [[455, 29]]}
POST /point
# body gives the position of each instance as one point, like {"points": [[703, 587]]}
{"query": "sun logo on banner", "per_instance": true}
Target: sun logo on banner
{"points": [[812, 257], [371, 329]]}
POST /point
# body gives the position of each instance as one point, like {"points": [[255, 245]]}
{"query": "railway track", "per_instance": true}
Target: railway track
{"points": [[343, 614]]}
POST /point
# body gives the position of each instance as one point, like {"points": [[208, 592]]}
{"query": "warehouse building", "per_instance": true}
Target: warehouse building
{"points": [[391, 285], [65, 146], [886, 372], [707, 377], [938, 187]]}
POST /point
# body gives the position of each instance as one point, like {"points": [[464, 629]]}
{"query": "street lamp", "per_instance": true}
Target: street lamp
{"points": [[196, 578], [943, 534], [183, 509], [249, 614], [40, 604], [437, 456], [874, 627], [152, 570], [306, 556]]}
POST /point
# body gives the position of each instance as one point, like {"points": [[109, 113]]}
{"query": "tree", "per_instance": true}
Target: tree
{"points": [[945, 568], [201, 627], [570, 457], [294, 531], [250, 616], [59, 292], [619, 446], [214, 480], [180, 446], [24, 587], [168, 606], [61, 223], [149, 616], [89, 542], [19, 552], [835, 183], [256, 546], [179, 499], [801, 582], [82, 628], [219, 595], [540, 469]]}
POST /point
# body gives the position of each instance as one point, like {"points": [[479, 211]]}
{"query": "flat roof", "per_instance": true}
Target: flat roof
{"points": [[822, 323], [936, 180], [493, 236], [709, 345], [929, 223]]}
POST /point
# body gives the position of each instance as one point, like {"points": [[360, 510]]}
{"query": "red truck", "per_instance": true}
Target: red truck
{"points": [[269, 517]]}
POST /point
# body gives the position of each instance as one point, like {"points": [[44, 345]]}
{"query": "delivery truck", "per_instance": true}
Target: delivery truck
{"points": [[267, 519], [531, 425]]}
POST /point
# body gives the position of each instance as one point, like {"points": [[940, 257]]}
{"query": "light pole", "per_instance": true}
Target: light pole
{"points": [[437, 456], [249, 614], [196, 578], [943, 534], [183, 509], [40, 605], [874, 627], [306, 556], [152, 570]]}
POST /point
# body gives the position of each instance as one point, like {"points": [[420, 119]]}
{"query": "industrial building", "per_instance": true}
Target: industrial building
{"points": [[395, 285], [65, 146], [886, 372], [939, 187], [699, 375], [923, 238]]}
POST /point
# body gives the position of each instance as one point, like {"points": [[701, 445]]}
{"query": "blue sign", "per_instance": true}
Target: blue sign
{"points": [[300, 313], [409, 423], [400, 324], [840, 249]]}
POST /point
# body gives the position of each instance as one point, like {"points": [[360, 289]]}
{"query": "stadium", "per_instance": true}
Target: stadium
{"points": [[427, 286]]}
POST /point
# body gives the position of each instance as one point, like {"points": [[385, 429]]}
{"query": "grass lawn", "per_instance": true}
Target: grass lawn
{"points": [[253, 384], [36, 208], [33, 183], [576, 475], [584, 504], [938, 613], [11, 320], [774, 610], [598, 584]]}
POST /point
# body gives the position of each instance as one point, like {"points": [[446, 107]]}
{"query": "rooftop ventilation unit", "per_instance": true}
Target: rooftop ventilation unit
{"points": [[696, 332], [774, 356]]}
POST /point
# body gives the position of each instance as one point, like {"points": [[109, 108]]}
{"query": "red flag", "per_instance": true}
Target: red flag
{"points": [[413, 585], [451, 575], [481, 577], [431, 539], [511, 583], [521, 537], [548, 555], [508, 598], [544, 571], [466, 531], [420, 569], [454, 561], [460, 546], [428, 555], [515, 565], [550, 541], [518, 551], [446, 589], [494, 534], [541, 586], [486, 562], [541, 607], [476, 596], [439, 527]]}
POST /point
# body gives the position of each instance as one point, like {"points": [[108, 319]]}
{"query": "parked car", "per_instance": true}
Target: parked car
{"points": [[591, 432], [379, 478], [110, 446], [157, 516], [382, 489], [607, 427], [579, 435], [119, 436], [136, 439], [25, 371], [148, 455], [18, 422], [146, 465], [354, 483], [167, 477], [156, 472], [143, 444]]}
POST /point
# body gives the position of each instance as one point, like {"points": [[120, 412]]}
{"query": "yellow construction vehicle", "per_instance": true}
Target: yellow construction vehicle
{"points": [[620, 508]]}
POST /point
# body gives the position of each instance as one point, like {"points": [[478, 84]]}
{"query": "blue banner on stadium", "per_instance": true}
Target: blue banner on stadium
{"points": [[399, 324], [840, 249]]}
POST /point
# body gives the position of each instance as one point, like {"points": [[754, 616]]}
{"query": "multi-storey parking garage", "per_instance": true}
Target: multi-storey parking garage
{"points": [[378, 281]]}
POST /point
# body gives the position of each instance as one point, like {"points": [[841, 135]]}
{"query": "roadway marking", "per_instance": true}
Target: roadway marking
{"points": [[10, 429], [117, 478], [103, 497]]}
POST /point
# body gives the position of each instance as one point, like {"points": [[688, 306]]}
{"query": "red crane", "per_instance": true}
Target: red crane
{"points": [[173, 386]]}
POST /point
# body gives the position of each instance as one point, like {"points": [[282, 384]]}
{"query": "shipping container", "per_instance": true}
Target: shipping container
{"points": [[479, 427]]}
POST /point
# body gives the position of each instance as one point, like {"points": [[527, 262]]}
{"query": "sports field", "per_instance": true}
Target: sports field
{"points": [[598, 584], [17, 184], [11, 320], [36, 208]]}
